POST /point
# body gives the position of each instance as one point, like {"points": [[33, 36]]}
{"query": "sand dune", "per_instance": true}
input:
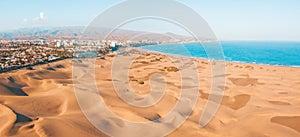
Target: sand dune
{"points": [[259, 100]]}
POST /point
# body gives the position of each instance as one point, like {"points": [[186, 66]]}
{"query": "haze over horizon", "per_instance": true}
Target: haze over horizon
{"points": [[230, 20]]}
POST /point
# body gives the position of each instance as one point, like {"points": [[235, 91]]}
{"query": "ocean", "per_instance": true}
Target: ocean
{"points": [[266, 53]]}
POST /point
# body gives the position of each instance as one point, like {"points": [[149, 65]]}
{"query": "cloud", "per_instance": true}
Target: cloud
{"points": [[36, 21], [39, 21], [40, 18], [42, 15]]}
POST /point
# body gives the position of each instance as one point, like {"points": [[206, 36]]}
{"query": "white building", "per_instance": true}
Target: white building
{"points": [[43, 41], [113, 44], [59, 44]]}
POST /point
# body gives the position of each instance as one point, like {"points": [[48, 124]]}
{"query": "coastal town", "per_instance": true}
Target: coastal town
{"points": [[17, 54]]}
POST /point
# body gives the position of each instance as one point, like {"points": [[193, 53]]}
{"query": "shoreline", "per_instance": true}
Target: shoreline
{"points": [[267, 63], [156, 52], [238, 62]]}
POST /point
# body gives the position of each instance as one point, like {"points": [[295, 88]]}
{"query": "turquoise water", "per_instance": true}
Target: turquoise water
{"points": [[268, 53]]}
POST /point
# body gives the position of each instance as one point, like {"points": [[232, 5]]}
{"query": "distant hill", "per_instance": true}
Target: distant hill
{"points": [[89, 34]]}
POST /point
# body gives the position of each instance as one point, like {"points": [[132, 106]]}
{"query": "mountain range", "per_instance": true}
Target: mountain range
{"points": [[89, 34]]}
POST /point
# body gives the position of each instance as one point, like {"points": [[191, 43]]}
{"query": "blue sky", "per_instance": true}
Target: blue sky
{"points": [[229, 19]]}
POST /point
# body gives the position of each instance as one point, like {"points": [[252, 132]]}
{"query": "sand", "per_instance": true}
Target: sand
{"points": [[259, 100]]}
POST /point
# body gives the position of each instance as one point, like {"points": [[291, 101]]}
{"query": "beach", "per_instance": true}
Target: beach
{"points": [[259, 100]]}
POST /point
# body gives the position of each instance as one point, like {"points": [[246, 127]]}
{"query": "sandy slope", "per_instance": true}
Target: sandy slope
{"points": [[259, 100]]}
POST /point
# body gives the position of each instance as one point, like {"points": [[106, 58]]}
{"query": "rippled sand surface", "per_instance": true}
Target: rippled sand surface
{"points": [[259, 100]]}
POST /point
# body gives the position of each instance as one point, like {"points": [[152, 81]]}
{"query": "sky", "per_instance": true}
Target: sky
{"points": [[230, 19]]}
